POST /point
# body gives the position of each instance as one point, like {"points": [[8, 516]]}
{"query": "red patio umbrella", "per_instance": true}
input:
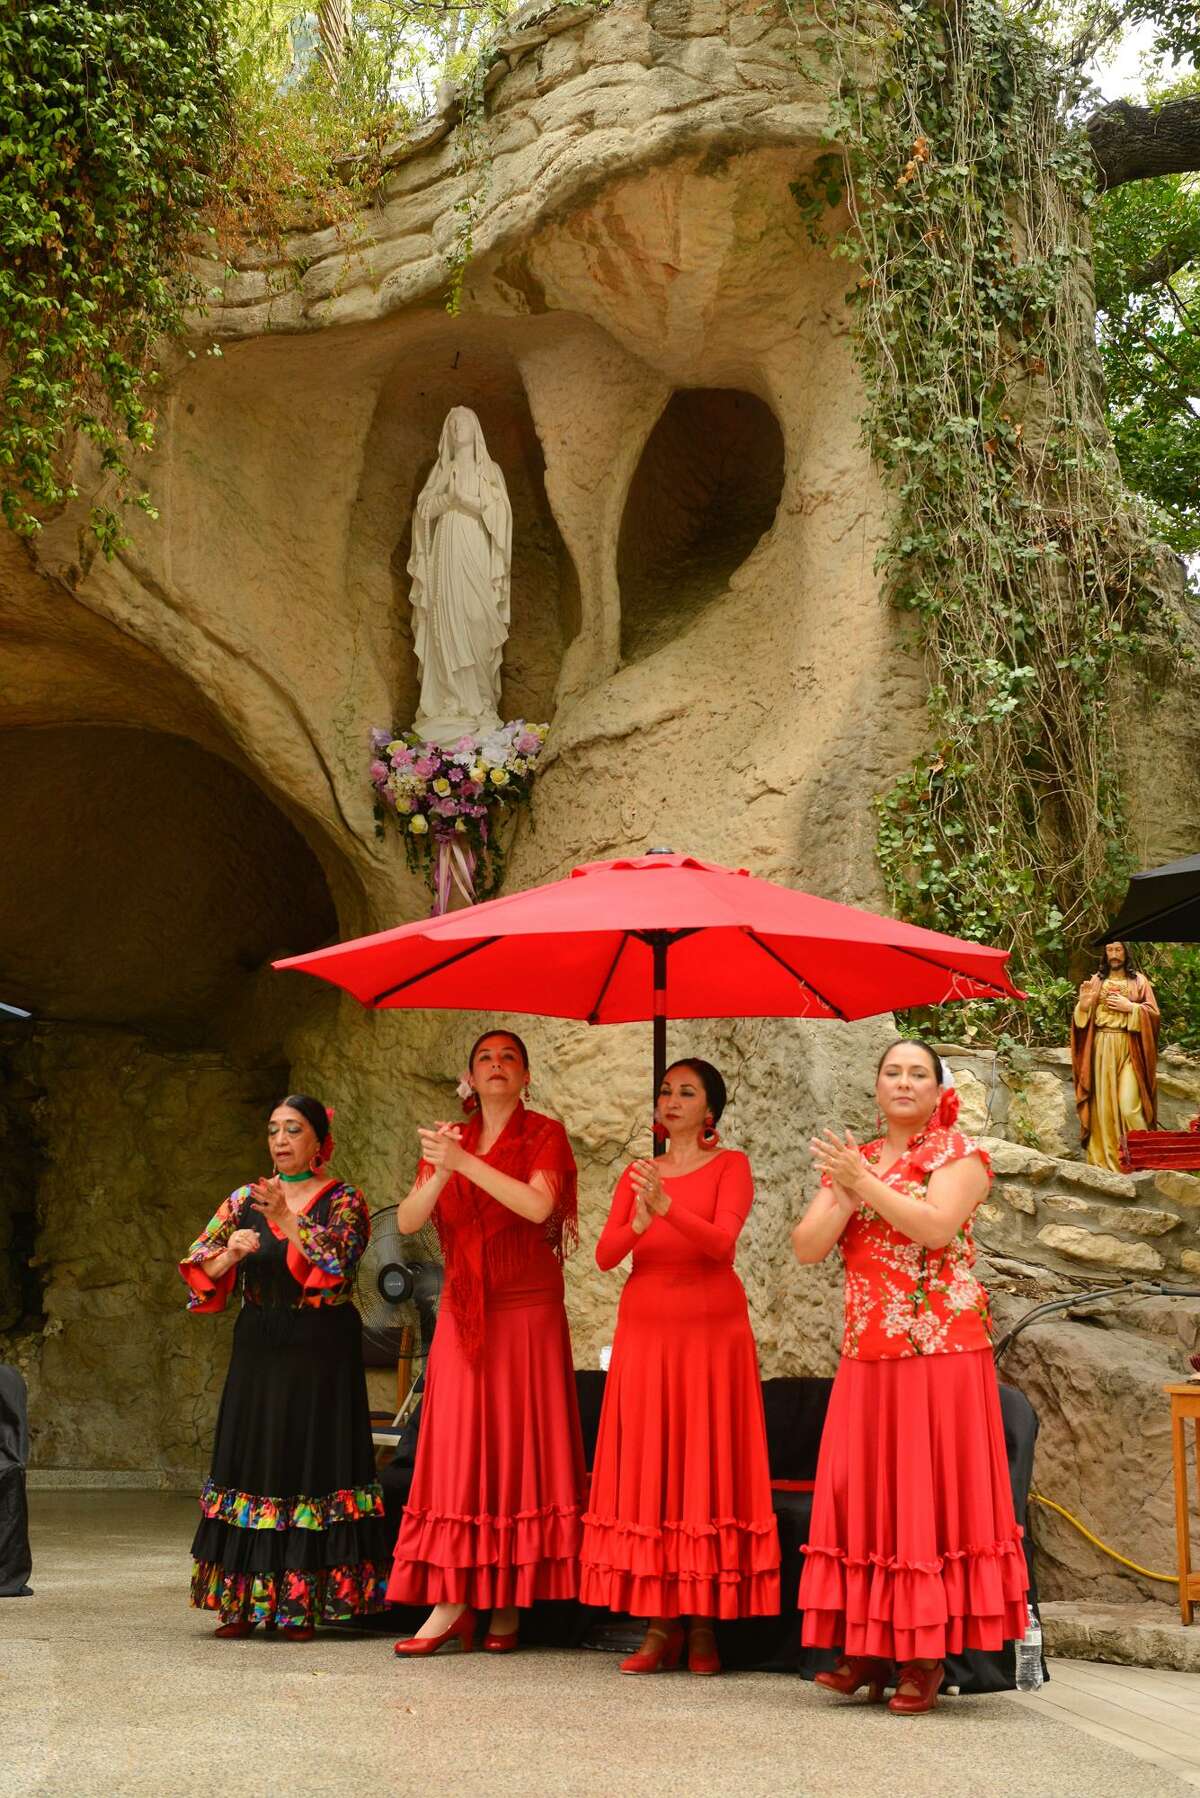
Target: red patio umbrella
{"points": [[658, 936]]}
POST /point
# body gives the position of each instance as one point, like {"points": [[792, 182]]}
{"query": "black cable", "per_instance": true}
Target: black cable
{"points": [[1136, 1288]]}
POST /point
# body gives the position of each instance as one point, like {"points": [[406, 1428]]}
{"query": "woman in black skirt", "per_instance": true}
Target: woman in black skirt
{"points": [[292, 1531]]}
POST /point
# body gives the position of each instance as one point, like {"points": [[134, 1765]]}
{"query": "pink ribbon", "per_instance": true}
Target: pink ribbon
{"points": [[453, 868]]}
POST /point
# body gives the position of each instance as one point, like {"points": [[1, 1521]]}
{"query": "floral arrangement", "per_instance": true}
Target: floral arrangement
{"points": [[449, 802]]}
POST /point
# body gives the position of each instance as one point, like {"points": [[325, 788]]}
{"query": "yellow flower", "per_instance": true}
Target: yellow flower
{"points": [[499, 777], [479, 772], [460, 824], [404, 806], [442, 787], [418, 824]]}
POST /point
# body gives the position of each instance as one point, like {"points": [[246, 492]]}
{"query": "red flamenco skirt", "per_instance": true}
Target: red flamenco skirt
{"points": [[914, 1551], [493, 1514], [680, 1521]]}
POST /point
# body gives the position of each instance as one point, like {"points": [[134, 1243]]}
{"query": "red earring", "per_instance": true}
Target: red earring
{"points": [[708, 1136]]}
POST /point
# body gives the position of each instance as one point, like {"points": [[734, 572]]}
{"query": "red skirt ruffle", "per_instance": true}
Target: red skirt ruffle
{"points": [[680, 1521], [493, 1516], [914, 1551]]}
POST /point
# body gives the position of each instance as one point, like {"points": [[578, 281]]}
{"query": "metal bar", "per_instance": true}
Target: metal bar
{"points": [[660, 941], [593, 1016], [439, 967], [954, 973], [806, 984]]}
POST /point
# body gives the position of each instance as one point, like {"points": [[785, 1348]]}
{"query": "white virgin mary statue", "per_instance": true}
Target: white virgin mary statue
{"points": [[460, 561]]}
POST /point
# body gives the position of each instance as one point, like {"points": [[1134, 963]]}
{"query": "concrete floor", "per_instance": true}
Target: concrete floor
{"points": [[110, 1685]]}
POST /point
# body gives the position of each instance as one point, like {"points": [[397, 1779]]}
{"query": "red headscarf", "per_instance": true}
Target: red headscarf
{"points": [[485, 1243]]}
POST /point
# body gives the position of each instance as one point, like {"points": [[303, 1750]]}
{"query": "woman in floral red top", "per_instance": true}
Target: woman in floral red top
{"points": [[914, 1551], [291, 1517]]}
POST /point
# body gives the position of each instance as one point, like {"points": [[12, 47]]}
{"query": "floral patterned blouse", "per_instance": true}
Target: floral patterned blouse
{"points": [[901, 1299], [335, 1227]]}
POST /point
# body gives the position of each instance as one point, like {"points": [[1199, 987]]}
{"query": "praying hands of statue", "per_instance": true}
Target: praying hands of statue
{"points": [[460, 499]]}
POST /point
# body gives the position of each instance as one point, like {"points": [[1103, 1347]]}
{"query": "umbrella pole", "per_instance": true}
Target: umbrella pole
{"points": [[658, 945]]}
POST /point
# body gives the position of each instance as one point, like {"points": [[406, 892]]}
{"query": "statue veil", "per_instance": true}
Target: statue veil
{"points": [[460, 573]]}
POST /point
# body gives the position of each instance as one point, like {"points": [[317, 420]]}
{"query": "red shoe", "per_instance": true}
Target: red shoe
{"points": [[305, 1633], [924, 1684], [855, 1672], [702, 1650], [662, 1659], [502, 1644], [233, 1632], [458, 1639]]}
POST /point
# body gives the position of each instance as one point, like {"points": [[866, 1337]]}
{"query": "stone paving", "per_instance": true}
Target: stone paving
{"points": [[109, 1685]]}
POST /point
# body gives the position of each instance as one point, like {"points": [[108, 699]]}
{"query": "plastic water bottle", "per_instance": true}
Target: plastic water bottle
{"points": [[1029, 1657]]}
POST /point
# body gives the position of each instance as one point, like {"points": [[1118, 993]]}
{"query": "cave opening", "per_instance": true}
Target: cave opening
{"points": [[705, 491]]}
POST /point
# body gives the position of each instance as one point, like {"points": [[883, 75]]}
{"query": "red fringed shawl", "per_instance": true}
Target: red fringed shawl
{"points": [[484, 1244]]}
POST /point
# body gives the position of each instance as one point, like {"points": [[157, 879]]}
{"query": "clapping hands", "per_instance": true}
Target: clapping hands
{"points": [[243, 1243], [837, 1156], [271, 1200], [650, 1200], [442, 1147]]}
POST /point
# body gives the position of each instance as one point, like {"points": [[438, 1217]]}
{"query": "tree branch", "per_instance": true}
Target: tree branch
{"points": [[1160, 267], [1136, 143]]}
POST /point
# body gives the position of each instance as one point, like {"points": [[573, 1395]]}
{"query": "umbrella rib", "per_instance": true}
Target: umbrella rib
{"points": [[955, 973], [439, 967], [806, 984], [593, 1016]]}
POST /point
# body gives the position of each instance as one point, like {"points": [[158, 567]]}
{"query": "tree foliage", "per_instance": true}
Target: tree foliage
{"points": [[1013, 542], [1147, 263], [111, 118]]}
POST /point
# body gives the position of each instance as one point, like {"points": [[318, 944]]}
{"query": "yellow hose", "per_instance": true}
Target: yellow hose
{"points": [[1168, 1579]]}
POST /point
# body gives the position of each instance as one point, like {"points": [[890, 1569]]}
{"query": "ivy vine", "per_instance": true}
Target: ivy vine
{"points": [[110, 118], [958, 191]]}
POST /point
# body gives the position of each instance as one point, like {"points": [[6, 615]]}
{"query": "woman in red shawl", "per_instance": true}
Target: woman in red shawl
{"points": [[492, 1520]]}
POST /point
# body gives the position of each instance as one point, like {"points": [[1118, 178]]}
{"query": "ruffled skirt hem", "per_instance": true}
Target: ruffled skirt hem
{"points": [[292, 1598], [724, 1569], [486, 1562], [975, 1598]]}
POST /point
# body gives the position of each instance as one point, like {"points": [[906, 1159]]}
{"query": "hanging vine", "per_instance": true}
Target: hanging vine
{"points": [[959, 193], [110, 121]]}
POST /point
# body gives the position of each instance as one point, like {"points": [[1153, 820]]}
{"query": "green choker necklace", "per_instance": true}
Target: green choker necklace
{"points": [[295, 1179]]}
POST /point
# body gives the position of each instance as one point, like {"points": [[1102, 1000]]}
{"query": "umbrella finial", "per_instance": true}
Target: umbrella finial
{"points": [[660, 852]]}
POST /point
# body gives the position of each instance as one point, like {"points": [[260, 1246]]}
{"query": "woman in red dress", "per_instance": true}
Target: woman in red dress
{"points": [[680, 1520], [914, 1551], [492, 1519]]}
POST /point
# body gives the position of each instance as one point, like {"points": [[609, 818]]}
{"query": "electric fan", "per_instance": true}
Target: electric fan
{"points": [[397, 1284]]}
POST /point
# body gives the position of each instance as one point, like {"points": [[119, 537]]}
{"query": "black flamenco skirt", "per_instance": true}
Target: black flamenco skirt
{"points": [[292, 1528]]}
